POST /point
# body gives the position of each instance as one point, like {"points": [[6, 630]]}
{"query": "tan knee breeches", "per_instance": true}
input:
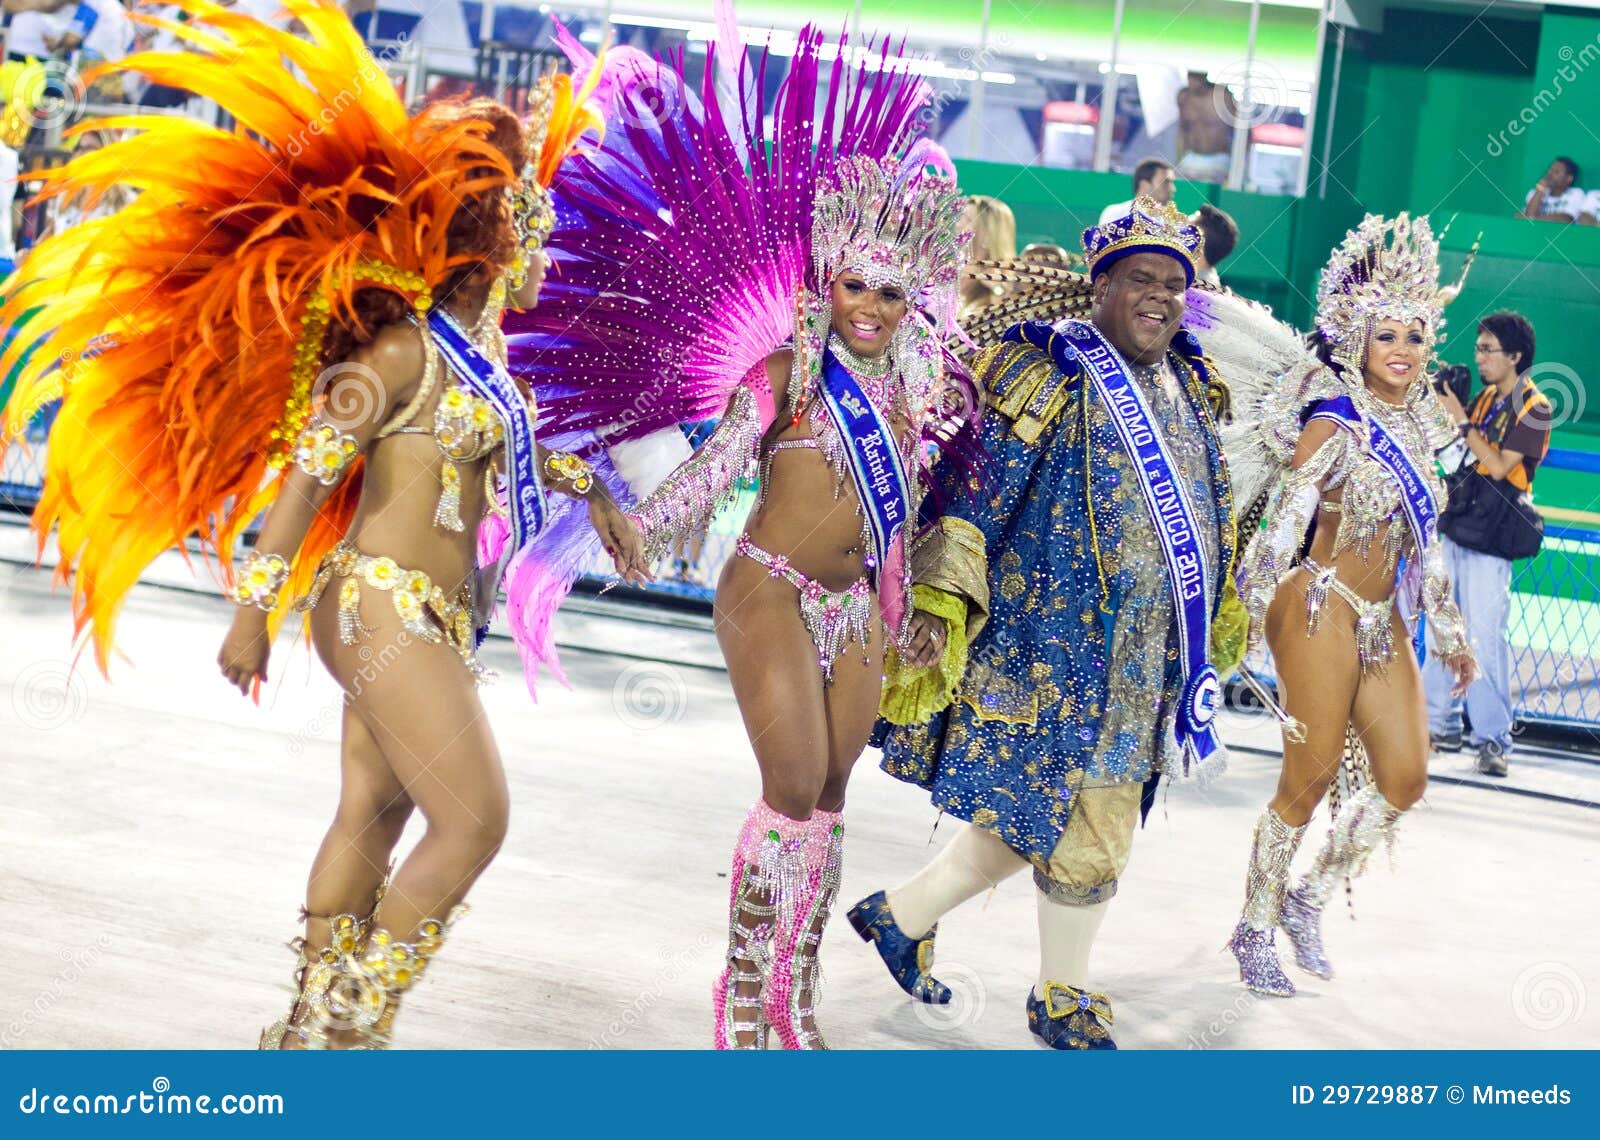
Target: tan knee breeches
{"points": [[1094, 850]]}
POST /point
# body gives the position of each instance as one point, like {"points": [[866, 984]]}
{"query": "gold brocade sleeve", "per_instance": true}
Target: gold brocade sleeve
{"points": [[1230, 632], [1024, 385], [949, 557], [912, 695], [952, 583]]}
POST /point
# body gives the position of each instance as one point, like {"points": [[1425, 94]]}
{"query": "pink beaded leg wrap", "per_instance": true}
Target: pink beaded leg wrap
{"points": [[766, 882], [834, 620], [795, 980]]}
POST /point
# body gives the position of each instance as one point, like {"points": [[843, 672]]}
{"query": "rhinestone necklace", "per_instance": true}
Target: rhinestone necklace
{"points": [[868, 367]]}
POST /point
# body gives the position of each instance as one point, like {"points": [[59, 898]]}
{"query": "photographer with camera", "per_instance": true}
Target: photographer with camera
{"points": [[1489, 523]]}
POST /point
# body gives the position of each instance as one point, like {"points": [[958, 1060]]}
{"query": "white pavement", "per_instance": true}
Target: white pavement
{"points": [[157, 830]]}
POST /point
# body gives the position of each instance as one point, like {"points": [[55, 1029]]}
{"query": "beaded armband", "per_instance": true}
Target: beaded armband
{"points": [[566, 467], [1438, 603], [324, 453], [689, 497], [263, 576], [1271, 553]]}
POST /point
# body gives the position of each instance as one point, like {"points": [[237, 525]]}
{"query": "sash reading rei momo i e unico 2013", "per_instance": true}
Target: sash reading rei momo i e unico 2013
{"points": [[879, 476], [1422, 512], [1176, 527], [525, 493]]}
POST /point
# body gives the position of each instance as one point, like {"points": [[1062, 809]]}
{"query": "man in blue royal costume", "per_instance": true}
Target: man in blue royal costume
{"points": [[1066, 604]]}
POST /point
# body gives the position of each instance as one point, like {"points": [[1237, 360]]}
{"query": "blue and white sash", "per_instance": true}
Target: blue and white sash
{"points": [[1422, 512], [875, 465], [493, 383], [1176, 526]]}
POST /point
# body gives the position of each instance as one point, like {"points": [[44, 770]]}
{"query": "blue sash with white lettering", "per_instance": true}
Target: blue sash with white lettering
{"points": [[1422, 512], [875, 466], [525, 493], [1176, 527]]}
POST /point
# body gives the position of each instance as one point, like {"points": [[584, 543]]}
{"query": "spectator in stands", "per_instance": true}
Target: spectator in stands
{"points": [[1206, 118], [994, 238], [1507, 432], [1154, 178], [1555, 197], [10, 166], [140, 90], [42, 29], [1221, 234], [34, 26]]}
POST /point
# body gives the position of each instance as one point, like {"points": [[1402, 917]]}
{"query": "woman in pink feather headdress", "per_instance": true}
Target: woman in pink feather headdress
{"points": [[801, 287]]}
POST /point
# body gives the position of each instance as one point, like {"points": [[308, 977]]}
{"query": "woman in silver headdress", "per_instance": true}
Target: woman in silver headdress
{"points": [[1347, 557]]}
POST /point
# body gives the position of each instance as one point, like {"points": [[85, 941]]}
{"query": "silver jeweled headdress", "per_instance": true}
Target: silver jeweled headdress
{"points": [[892, 222], [1384, 269], [896, 224]]}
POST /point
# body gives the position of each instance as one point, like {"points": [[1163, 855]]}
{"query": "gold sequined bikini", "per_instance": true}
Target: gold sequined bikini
{"points": [[466, 428]]}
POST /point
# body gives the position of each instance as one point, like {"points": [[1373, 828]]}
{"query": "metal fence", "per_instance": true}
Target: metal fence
{"points": [[1554, 628]]}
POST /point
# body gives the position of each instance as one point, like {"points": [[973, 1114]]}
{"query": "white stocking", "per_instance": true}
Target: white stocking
{"points": [[1066, 935], [969, 864]]}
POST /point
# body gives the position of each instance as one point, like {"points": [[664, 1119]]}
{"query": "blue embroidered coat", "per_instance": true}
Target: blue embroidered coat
{"points": [[1073, 679]]}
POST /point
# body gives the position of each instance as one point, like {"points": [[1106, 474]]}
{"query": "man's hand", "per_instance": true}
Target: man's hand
{"points": [[1452, 406], [927, 640]]}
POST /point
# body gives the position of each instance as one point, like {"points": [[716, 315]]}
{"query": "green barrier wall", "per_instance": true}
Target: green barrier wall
{"points": [[1419, 122]]}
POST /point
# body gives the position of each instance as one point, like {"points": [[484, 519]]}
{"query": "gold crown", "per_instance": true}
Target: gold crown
{"points": [[1148, 227]]}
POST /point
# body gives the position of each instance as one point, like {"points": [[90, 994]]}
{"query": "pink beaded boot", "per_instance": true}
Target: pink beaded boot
{"points": [[794, 984], [767, 875]]}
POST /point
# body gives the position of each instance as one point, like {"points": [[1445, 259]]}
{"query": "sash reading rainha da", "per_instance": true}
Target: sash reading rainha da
{"points": [[879, 476], [1176, 527], [486, 379]]}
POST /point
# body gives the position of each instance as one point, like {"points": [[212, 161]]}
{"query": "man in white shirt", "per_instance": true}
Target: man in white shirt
{"points": [[1152, 178], [34, 31], [1555, 197], [41, 29]]}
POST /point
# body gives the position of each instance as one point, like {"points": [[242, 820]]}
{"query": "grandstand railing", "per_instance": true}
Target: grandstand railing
{"points": [[1554, 627]]}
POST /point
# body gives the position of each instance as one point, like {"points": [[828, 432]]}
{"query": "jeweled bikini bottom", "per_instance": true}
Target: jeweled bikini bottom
{"points": [[424, 609], [1374, 631], [834, 620]]}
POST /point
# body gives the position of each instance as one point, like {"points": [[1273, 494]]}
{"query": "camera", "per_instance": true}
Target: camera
{"points": [[1457, 378]]}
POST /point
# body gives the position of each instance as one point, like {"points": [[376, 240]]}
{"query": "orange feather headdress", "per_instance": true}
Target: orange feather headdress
{"points": [[184, 332]]}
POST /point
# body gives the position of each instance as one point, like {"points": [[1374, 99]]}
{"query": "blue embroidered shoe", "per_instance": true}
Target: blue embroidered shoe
{"points": [[910, 960], [1070, 1018]]}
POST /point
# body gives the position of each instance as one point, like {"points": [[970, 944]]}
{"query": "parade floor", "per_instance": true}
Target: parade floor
{"points": [[157, 830]]}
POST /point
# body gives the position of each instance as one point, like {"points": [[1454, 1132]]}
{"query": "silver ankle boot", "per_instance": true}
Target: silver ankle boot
{"points": [[1364, 822], [1271, 851]]}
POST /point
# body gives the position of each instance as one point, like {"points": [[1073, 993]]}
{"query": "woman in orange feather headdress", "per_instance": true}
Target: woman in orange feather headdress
{"points": [[302, 316]]}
